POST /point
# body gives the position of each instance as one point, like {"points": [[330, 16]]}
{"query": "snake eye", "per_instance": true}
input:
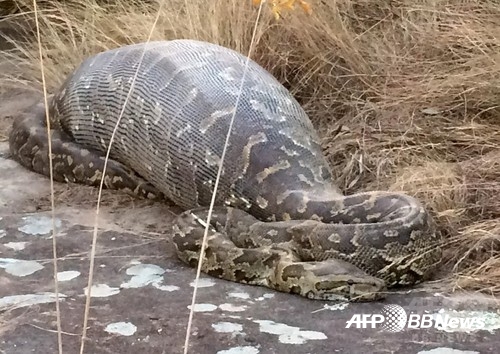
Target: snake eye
{"points": [[350, 282]]}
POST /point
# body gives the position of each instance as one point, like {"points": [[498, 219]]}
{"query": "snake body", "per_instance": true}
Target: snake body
{"points": [[280, 221]]}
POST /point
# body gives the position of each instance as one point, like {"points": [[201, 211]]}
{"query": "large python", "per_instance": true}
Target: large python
{"points": [[279, 220]]}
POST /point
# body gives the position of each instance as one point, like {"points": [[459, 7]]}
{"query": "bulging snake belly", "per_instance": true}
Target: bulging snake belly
{"points": [[280, 221]]}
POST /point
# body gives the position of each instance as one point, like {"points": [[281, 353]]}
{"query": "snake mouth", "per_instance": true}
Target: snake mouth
{"points": [[349, 290]]}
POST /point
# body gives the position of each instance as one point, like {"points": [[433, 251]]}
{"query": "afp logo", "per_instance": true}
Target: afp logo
{"points": [[393, 319]]}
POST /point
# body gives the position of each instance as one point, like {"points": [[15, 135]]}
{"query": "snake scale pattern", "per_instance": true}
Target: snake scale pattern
{"points": [[280, 221]]}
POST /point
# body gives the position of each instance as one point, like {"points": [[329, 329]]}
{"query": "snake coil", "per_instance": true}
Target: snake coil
{"points": [[280, 220]]}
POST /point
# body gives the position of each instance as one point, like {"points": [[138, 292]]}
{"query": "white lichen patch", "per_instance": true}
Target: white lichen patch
{"points": [[16, 246], [38, 225], [232, 308], [289, 334], [227, 327], [264, 297], [102, 290], [168, 288], [121, 328], [491, 320], [446, 350], [203, 307], [67, 275], [203, 283], [240, 350], [143, 274], [17, 301], [239, 295], [19, 267], [147, 274]]}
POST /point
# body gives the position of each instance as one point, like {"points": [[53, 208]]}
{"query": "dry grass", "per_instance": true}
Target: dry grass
{"points": [[404, 93]]}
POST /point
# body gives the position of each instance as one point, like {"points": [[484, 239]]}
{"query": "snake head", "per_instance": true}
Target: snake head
{"points": [[348, 288], [331, 280]]}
